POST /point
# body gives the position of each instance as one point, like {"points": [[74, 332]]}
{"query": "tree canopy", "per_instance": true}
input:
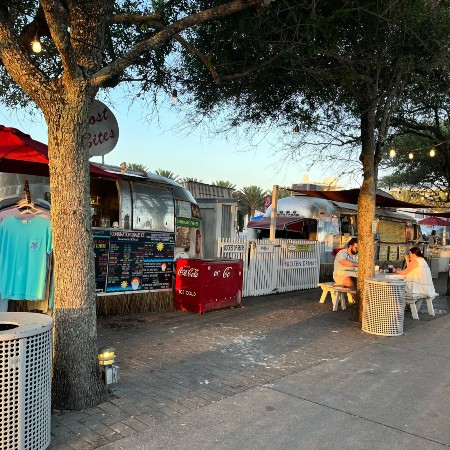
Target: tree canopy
{"points": [[88, 45]]}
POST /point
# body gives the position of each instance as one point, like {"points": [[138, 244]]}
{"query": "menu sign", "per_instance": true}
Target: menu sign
{"points": [[133, 260]]}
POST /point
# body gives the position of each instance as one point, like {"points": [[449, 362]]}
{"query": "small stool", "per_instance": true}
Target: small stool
{"points": [[327, 288], [340, 293], [415, 302]]}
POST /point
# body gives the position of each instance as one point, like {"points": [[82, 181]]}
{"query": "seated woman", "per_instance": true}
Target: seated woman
{"points": [[417, 274]]}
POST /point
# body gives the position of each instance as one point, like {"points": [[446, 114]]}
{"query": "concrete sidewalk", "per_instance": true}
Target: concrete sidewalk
{"points": [[283, 372]]}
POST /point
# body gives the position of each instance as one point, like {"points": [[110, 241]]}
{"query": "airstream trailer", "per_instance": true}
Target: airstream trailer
{"points": [[141, 223], [334, 223]]}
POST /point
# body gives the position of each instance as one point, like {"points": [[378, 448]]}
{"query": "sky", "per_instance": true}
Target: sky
{"points": [[161, 144]]}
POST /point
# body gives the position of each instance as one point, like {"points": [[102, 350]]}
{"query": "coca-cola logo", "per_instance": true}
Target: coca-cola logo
{"points": [[225, 274], [187, 271]]}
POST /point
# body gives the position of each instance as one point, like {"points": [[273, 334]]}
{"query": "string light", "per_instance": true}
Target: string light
{"points": [[411, 155], [36, 45], [432, 151], [174, 96], [391, 151]]}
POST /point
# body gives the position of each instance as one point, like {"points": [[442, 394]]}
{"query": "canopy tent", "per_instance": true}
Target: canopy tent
{"points": [[383, 199], [282, 223], [19, 153], [434, 222]]}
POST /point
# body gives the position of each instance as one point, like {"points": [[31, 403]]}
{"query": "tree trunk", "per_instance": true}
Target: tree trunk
{"points": [[76, 378], [366, 204]]}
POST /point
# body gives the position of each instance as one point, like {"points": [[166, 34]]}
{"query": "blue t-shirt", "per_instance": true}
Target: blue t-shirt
{"points": [[24, 246]]}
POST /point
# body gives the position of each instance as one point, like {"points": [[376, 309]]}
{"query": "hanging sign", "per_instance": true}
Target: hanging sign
{"points": [[264, 248], [103, 132], [299, 263], [185, 222]]}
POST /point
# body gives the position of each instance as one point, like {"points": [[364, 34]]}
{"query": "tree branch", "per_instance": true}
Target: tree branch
{"points": [[168, 33], [19, 64], [56, 17]]}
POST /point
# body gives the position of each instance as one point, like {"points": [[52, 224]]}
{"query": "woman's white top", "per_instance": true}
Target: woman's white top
{"points": [[419, 280]]}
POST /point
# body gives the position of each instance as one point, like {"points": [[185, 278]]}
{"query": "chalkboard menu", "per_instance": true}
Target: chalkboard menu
{"points": [[133, 260]]}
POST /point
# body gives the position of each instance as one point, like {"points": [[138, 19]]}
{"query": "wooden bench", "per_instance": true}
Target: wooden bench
{"points": [[337, 294], [341, 292], [415, 302]]}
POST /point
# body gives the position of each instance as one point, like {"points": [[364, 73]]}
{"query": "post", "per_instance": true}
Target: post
{"points": [[273, 214]]}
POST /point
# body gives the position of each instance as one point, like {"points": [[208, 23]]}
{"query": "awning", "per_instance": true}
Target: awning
{"points": [[282, 223], [383, 199], [434, 221], [19, 153]]}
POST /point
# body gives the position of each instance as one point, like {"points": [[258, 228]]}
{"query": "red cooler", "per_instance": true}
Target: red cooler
{"points": [[205, 284]]}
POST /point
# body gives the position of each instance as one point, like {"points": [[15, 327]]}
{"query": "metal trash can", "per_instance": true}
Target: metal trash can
{"points": [[384, 307], [25, 383]]}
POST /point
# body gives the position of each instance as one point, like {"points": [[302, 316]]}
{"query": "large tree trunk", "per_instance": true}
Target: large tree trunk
{"points": [[76, 380], [366, 204]]}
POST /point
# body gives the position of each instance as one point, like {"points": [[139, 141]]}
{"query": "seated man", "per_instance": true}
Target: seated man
{"points": [[345, 259]]}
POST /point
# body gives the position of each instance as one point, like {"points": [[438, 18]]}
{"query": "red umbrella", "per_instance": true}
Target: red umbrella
{"points": [[21, 154], [434, 221]]}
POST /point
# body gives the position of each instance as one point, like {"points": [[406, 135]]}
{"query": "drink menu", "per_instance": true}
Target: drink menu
{"points": [[133, 260]]}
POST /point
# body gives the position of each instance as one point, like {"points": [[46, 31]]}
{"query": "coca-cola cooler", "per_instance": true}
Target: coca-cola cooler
{"points": [[205, 284]]}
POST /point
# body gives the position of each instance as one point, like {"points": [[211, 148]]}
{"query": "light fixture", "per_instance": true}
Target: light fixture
{"points": [[391, 151], [411, 155], [36, 45], [432, 151], [109, 371], [174, 96], [296, 129], [106, 355]]}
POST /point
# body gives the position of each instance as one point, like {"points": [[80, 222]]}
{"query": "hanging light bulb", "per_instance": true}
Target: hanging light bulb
{"points": [[432, 151], [174, 96], [36, 45], [391, 151], [296, 129], [411, 155]]}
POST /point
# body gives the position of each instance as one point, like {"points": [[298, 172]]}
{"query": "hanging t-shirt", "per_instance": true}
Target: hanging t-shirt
{"points": [[24, 246]]}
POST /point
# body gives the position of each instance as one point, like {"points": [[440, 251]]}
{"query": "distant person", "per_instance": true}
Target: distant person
{"points": [[417, 274], [345, 259], [432, 240]]}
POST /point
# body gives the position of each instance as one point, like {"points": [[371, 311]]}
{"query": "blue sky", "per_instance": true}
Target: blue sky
{"points": [[161, 145]]}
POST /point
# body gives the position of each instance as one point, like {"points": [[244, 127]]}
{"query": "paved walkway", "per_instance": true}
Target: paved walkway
{"points": [[283, 371]]}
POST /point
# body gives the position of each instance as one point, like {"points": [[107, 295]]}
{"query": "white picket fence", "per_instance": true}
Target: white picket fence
{"points": [[281, 265]]}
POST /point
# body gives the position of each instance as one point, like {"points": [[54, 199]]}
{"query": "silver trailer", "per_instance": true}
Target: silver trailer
{"points": [[334, 223]]}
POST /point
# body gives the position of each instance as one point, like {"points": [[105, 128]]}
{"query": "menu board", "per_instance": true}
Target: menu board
{"points": [[133, 260], [393, 252]]}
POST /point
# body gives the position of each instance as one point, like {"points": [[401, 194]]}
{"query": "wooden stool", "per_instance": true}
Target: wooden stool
{"points": [[327, 288]]}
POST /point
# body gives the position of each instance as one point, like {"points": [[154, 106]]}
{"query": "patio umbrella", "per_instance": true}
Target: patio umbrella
{"points": [[434, 221], [19, 153]]}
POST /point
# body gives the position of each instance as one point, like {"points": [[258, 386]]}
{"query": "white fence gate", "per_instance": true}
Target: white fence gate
{"points": [[281, 265]]}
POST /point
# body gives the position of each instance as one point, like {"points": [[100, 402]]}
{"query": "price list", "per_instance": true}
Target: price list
{"points": [[133, 260]]}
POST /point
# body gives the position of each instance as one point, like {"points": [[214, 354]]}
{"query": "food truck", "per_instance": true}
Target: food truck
{"points": [[141, 222], [333, 223]]}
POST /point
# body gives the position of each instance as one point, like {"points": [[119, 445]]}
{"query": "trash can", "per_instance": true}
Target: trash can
{"points": [[206, 284], [25, 383], [384, 307]]}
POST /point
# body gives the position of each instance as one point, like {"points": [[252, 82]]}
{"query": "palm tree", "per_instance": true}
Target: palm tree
{"points": [[167, 174], [224, 184], [137, 166], [193, 180], [251, 198]]}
